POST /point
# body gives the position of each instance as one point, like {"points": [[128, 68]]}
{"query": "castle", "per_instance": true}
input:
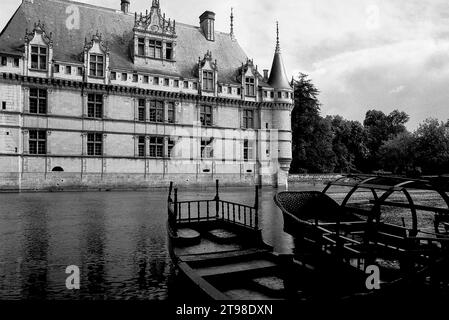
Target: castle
{"points": [[94, 97]]}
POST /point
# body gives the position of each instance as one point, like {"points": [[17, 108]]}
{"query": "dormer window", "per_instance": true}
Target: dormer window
{"points": [[96, 65], [141, 47], [39, 58], [250, 87], [208, 80], [155, 49]]}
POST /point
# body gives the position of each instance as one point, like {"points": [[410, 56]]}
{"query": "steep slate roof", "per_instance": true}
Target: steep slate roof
{"points": [[117, 29], [278, 77]]}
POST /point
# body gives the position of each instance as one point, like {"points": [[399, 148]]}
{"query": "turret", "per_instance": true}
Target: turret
{"points": [[281, 114], [125, 6]]}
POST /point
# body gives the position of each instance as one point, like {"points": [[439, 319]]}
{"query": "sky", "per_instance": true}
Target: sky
{"points": [[360, 54]]}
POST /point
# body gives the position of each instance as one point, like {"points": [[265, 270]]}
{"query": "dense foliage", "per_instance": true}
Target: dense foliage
{"points": [[381, 143]]}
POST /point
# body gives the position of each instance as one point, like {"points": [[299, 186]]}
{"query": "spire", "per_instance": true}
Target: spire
{"points": [[278, 46], [278, 77], [232, 24]]}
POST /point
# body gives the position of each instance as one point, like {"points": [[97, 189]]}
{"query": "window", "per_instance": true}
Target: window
{"points": [[176, 83], [38, 142], [38, 58], [166, 82], [124, 77], [38, 101], [220, 89], [206, 115], [156, 81], [186, 84], [80, 71], [170, 146], [141, 110], [207, 151], [96, 65], [208, 80], [113, 76], [155, 49], [141, 46], [135, 77], [271, 94], [145, 79], [56, 68], [157, 111], [247, 150], [195, 86], [169, 51], [94, 144], [229, 90], [171, 112], [248, 119], [156, 147], [279, 95], [4, 61], [68, 70], [141, 146], [265, 94], [3, 105], [16, 62], [94, 105], [239, 91], [250, 87]]}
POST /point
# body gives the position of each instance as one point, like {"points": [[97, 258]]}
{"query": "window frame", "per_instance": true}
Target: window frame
{"points": [[155, 49], [248, 118], [141, 46], [248, 149], [250, 86], [42, 58], [37, 142], [208, 80], [141, 110], [36, 99], [94, 145], [157, 110], [97, 65], [141, 146], [156, 147], [206, 116], [95, 107], [207, 148]]}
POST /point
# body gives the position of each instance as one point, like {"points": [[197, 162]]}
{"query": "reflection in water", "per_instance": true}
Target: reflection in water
{"points": [[33, 261], [93, 235], [118, 239]]}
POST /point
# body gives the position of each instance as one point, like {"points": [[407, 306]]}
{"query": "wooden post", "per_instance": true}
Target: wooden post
{"points": [[217, 200], [256, 207], [169, 191], [175, 207]]}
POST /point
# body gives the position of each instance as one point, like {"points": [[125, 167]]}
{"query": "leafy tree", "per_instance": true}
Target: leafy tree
{"points": [[349, 144], [398, 154], [432, 146], [380, 128], [312, 135]]}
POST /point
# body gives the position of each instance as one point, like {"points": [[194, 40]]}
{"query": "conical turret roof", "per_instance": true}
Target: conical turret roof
{"points": [[278, 76]]}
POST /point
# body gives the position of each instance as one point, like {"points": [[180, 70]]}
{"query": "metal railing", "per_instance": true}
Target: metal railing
{"points": [[214, 209]]}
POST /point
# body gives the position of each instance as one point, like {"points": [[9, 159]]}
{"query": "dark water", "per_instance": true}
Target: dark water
{"points": [[117, 239]]}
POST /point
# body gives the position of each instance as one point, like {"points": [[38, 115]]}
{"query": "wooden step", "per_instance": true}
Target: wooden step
{"points": [[245, 266]]}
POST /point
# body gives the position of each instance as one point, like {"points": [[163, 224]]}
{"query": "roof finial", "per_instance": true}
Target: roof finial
{"points": [[155, 3], [232, 23], [278, 46]]}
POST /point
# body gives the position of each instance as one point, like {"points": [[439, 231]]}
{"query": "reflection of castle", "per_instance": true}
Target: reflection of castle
{"points": [[119, 99]]}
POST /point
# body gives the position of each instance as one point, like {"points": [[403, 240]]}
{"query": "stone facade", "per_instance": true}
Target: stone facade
{"points": [[118, 118]]}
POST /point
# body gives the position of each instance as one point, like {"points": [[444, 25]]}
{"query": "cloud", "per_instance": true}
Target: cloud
{"points": [[397, 89]]}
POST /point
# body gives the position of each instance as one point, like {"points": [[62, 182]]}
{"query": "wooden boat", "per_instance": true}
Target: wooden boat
{"points": [[219, 252], [362, 232]]}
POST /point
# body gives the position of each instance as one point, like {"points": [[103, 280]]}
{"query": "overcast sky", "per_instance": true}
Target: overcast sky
{"points": [[361, 54]]}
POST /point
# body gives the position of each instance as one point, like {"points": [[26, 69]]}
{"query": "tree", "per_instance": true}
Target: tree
{"points": [[432, 146], [349, 144], [380, 128], [398, 154], [312, 135]]}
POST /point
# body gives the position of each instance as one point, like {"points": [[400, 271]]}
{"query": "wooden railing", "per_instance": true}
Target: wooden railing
{"points": [[214, 209]]}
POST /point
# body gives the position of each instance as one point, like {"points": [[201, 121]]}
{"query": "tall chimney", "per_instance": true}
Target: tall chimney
{"points": [[125, 6], [207, 20], [265, 75]]}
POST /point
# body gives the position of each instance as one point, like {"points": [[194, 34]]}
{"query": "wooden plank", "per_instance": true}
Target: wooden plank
{"points": [[417, 207], [222, 255], [226, 269]]}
